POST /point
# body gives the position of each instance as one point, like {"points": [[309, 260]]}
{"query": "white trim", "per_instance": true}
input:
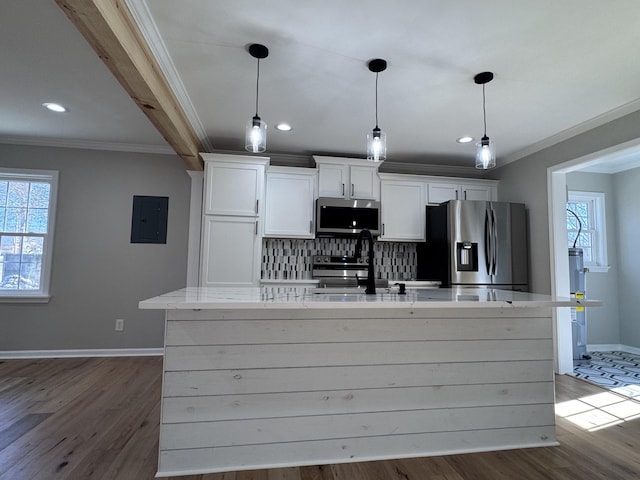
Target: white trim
{"points": [[433, 170], [46, 176], [583, 127], [143, 18], [195, 226], [613, 347], [109, 352], [88, 145], [598, 268], [599, 248], [559, 270]]}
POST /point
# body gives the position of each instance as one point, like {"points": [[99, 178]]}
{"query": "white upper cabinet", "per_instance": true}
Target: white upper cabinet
{"points": [[403, 209], [333, 180], [454, 189], [289, 203], [340, 177], [233, 184], [364, 182]]}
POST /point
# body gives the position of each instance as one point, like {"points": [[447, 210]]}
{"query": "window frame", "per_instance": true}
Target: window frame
{"points": [[596, 200], [42, 295]]}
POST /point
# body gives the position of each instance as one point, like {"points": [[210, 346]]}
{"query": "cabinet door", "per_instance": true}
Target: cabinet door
{"points": [[289, 205], [403, 211], [332, 181], [230, 252], [443, 192], [233, 189], [364, 183], [476, 192]]}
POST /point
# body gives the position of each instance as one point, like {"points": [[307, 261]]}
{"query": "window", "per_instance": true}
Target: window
{"points": [[27, 208], [587, 231]]}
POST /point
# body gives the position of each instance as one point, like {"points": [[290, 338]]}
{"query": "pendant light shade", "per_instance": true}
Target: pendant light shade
{"points": [[256, 131], [485, 148], [256, 135], [376, 145], [377, 139], [485, 154]]}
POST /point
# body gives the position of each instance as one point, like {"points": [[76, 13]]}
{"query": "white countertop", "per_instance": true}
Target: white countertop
{"points": [[301, 297]]}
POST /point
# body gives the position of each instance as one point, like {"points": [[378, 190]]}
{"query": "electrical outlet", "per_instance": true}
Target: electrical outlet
{"points": [[119, 324]]}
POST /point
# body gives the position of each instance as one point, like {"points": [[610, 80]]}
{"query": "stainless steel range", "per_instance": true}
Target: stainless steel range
{"points": [[336, 271]]}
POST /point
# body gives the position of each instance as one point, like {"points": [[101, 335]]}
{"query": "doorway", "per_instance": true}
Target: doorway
{"points": [[617, 158]]}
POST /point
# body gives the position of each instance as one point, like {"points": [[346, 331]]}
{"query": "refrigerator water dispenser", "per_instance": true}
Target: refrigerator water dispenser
{"points": [[466, 257]]}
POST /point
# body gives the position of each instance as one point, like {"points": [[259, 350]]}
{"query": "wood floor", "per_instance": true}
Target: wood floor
{"points": [[97, 418]]}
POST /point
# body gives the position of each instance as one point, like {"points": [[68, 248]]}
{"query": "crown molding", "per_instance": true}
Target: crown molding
{"points": [[149, 29], [583, 127], [111, 30], [87, 145], [431, 169]]}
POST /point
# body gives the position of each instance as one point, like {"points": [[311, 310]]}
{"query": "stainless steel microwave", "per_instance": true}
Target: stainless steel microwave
{"points": [[336, 216]]}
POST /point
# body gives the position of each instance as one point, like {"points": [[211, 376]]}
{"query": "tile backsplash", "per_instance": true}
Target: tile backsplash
{"points": [[290, 259]]}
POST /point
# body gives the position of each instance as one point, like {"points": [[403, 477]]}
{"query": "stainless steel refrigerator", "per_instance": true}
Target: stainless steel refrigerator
{"points": [[475, 243]]}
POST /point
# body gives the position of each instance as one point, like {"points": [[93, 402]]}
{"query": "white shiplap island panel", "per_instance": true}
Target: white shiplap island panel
{"points": [[290, 378]]}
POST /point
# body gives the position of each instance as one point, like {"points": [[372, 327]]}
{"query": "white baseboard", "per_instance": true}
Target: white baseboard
{"points": [[614, 347], [89, 352]]}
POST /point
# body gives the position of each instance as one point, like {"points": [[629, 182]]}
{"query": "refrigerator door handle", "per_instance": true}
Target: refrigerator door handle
{"points": [[488, 250], [494, 225]]}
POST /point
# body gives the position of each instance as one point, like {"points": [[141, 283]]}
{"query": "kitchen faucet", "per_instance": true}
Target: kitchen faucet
{"points": [[371, 283]]}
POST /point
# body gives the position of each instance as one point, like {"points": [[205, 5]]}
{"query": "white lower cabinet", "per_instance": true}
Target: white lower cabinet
{"points": [[289, 203], [231, 251], [403, 210]]}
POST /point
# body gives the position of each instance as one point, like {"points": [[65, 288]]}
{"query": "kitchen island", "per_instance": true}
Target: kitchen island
{"points": [[270, 377]]}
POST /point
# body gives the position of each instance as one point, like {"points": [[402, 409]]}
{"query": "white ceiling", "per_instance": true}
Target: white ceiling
{"points": [[560, 68]]}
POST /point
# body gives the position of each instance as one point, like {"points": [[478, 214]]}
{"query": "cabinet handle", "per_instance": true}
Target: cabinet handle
{"points": [[310, 226], [352, 190], [343, 189], [383, 229], [457, 195], [465, 194], [257, 206], [256, 227]]}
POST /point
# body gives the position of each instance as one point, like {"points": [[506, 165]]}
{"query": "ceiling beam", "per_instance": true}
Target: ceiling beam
{"points": [[110, 29]]}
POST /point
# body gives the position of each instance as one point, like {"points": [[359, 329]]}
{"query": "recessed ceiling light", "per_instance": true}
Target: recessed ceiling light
{"points": [[283, 127], [465, 139], [55, 107]]}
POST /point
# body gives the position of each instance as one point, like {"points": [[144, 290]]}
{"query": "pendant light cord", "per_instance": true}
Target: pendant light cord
{"points": [[484, 111], [257, 87], [376, 99]]}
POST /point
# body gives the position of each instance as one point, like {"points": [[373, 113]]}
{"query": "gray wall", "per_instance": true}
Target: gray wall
{"points": [[98, 275], [603, 323], [526, 181], [627, 187]]}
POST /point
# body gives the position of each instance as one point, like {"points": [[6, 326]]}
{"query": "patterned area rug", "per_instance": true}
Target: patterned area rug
{"points": [[618, 371]]}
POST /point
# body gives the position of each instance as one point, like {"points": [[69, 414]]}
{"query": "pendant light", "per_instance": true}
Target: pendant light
{"points": [[377, 139], [256, 131], [485, 148]]}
